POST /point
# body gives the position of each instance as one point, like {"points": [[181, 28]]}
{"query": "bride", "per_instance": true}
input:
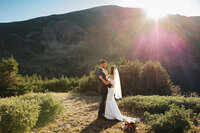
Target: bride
{"points": [[111, 110]]}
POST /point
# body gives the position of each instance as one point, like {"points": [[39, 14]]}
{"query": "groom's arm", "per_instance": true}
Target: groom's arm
{"points": [[100, 76], [104, 81], [107, 83]]}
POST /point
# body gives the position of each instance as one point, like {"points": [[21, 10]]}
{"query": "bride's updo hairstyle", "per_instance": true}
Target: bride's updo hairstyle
{"points": [[112, 69]]}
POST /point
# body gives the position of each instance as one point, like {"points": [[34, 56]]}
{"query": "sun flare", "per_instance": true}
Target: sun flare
{"points": [[155, 13]]}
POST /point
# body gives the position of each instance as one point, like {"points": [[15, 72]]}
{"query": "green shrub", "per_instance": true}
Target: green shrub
{"points": [[157, 104], [89, 83], [50, 107], [63, 84], [57, 85], [196, 119], [151, 118], [175, 120], [74, 84], [17, 115], [20, 114], [84, 84]]}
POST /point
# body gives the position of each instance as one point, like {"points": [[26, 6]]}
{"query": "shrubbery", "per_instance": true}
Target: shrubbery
{"points": [[20, 114], [157, 104], [176, 120], [57, 85], [136, 78], [50, 107], [89, 83], [166, 114]]}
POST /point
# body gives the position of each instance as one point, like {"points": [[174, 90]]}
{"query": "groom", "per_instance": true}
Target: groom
{"points": [[103, 88]]}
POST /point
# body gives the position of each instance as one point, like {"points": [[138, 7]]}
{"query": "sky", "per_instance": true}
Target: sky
{"points": [[18, 10]]}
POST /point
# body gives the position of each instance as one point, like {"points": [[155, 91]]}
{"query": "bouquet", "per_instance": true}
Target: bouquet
{"points": [[130, 125]]}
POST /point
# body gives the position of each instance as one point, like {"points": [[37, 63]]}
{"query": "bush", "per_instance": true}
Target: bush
{"points": [[17, 115], [175, 89], [176, 120], [157, 104], [20, 114], [151, 118], [196, 119], [89, 83], [164, 113], [74, 84], [50, 108], [57, 85], [63, 84]]}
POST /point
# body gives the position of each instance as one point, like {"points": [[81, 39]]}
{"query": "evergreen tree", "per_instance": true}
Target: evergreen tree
{"points": [[154, 79], [10, 81], [129, 75]]}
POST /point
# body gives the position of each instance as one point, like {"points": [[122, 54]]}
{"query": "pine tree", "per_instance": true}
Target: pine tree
{"points": [[10, 80], [155, 79]]}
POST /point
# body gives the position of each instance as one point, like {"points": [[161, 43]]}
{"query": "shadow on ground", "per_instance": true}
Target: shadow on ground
{"points": [[99, 125]]}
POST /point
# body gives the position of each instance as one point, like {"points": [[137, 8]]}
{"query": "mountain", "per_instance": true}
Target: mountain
{"points": [[71, 44]]}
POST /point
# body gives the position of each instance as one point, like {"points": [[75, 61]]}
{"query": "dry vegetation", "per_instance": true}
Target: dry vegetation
{"points": [[80, 116]]}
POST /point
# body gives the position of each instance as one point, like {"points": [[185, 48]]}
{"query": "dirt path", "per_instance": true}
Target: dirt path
{"points": [[80, 116]]}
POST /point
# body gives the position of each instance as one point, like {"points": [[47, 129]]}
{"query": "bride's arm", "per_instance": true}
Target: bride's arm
{"points": [[104, 81]]}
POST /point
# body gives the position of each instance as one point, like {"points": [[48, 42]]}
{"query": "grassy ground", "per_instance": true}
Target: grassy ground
{"points": [[80, 116]]}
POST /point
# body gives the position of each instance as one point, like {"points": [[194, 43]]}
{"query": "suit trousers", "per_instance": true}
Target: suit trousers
{"points": [[102, 104]]}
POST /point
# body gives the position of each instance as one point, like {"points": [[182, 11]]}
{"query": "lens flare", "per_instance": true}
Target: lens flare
{"points": [[155, 13]]}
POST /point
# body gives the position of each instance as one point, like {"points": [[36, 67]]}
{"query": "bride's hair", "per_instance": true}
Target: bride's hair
{"points": [[112, 69]]}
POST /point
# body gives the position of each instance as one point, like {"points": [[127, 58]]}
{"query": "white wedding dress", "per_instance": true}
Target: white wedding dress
{"points": [[111, 110]]}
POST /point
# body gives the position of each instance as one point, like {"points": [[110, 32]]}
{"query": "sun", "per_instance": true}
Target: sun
{"points": [[155, 13]]}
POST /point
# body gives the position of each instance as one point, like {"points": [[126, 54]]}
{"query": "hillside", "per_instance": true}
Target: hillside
{"points": [[71, 44]]}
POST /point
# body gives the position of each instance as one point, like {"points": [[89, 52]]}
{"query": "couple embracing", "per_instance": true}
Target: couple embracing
{"points": [[110, 88]]}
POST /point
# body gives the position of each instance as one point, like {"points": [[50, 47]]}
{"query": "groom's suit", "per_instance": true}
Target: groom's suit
{"points": [[103, 89]]}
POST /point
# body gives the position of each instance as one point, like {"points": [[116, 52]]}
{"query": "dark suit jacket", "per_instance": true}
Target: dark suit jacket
{"points": [[101, 86]]}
